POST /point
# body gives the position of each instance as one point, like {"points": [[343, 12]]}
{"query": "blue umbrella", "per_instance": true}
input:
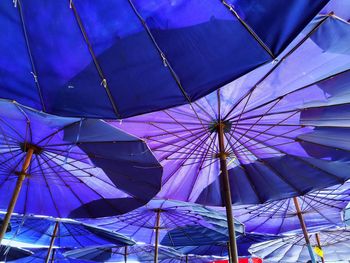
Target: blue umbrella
{"points": [[114, 59], [8, 253], [334, 244], [221, 248], [320, 209], [159, 218], [39, 256], [53, 159], [56, 233], [239, 144], [139, 252]]}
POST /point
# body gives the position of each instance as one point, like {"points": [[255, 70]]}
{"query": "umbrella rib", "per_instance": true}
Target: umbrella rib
{"points": [[276, 65], [31, 59], [287, 203], [94, 58], [47, 184], [248, 28], [287, 94], [94, 191], [161, 53], [319, 212], [302, 160]]}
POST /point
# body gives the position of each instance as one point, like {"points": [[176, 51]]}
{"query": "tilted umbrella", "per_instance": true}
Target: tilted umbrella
{"points": [[139, 252], [46, 160], [261, 127], [60, 233], [8, 253], [113, 59], [39, 255], [156, 220], [335, 247], [221, 248], [320, 209]]}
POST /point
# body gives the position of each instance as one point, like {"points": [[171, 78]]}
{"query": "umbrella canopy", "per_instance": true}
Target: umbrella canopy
{"points": [[139, 252], [346, 214], [8, 253], [334, 243], [38, 231], [190, 259], [141, 223], [289, 116], [123, 58], [221, 248], [320, 209], [57, 256], [65, 156]]}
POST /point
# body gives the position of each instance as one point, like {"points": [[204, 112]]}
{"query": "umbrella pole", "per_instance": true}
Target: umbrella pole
{"points": [[303, 227], [126, 254], [157, 237], [319, 245], [229, 252], [186, 258], [15, 194], [52, 242], [227, 194]]}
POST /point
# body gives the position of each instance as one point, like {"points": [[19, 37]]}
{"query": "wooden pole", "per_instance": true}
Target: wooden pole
{"points": [[303, 227], [186, 258], [229, 253], [126, 254], [157, 236], [227, 194], [53, 255], [319, 245], [54, 234], [15, 194]]}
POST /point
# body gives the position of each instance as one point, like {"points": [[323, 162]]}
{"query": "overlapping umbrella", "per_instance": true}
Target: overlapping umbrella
{"points": [[288, 116], [8, 253], [320, 209], [335, 246], [59, 233], [139, 253], [112, 59], [155, 222], [47, 160], [40, 255]]}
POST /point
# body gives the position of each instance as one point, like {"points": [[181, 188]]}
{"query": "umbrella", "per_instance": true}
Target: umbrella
{"points": [[8, 253], [335, 247], [159, 218], [112, 59], [139, 252], [283, 117], [39, 255], [54, 159], [60, 233], [320, 209], [190, 259], [221, 248]]}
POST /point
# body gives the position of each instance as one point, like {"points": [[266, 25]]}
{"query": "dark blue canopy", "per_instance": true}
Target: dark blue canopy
{"points": [[115, 59], [8, 253]]}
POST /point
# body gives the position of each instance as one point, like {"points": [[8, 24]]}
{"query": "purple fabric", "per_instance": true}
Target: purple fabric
{"points": [[101, 170], [266, 115], [321, 209]]}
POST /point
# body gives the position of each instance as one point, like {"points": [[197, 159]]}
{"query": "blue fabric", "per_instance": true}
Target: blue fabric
{"points": [[220, 249], [39, 231], [8, 253], [271, 179], [203, 44], [96, 167], [138, 253], [57, 256], [192, 236]]}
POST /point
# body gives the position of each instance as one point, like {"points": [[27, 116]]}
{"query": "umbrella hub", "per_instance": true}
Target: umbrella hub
{"points": [[214, 125], [26, 146]]}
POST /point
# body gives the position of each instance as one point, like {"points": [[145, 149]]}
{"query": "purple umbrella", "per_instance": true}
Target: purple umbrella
{"points": [[68, 167], [290, 115]]}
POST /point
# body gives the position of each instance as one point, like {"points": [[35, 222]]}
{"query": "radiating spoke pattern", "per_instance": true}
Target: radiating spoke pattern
{"points": [[79, 160], [321, 209], [276, 118], [334, 243]]}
